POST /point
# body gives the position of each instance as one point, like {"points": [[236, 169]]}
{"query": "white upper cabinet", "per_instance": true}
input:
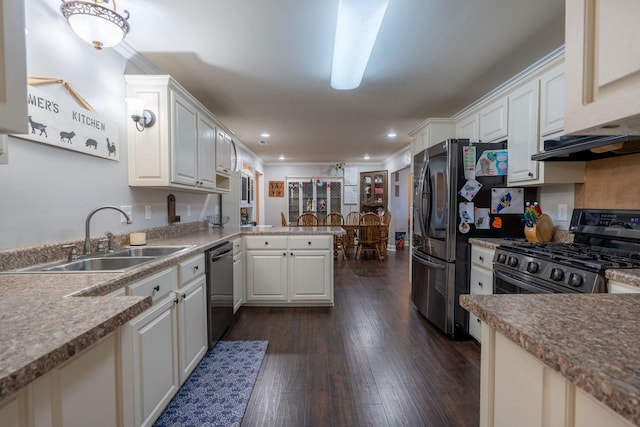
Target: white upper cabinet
{"points": [[13, 68], [552, 101], [468, 127], [523, 132], [492, 121], [603, 67], [179, 151], [431, 132], [223, 153], [485, 124]]}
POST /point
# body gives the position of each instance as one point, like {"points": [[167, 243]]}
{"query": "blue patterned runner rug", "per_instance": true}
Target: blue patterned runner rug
{"points": [[217, 391]]}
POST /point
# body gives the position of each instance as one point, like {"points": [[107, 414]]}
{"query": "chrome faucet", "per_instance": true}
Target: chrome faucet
{"points": [[87, 235]]}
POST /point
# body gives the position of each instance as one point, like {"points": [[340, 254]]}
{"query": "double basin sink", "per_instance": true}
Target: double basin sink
{"points": [[118, 261]]}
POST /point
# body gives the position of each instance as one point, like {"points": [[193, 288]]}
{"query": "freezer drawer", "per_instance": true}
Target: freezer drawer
{"points": [[432, 290]]}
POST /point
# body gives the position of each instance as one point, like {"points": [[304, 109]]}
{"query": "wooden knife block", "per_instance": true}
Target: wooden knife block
{"points": [[542, 231]]}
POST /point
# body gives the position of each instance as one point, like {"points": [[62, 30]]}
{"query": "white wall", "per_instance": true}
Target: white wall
{"points": [[280, 172], [47, 192], [553, 195]]}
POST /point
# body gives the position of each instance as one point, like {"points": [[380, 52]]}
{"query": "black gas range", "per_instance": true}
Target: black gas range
{"points": [[603, 239]]}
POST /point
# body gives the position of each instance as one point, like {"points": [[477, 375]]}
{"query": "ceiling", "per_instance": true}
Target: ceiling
{"points": [[265, 65]]}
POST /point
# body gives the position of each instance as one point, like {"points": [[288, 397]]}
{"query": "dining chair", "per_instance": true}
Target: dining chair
{"points": [[336, 219], [307, 219], [369, 235], [384, 230], [283, 219], [352, 221]]}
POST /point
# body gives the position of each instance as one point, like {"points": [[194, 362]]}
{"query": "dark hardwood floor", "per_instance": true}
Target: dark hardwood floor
{"points": [[371, 360]]}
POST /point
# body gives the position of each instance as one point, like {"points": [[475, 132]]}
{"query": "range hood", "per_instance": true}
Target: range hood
{"points": [[580, 148]]}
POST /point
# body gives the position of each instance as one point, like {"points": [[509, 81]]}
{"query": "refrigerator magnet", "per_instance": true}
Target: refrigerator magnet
{"points": [[482, 219], [466, 210], [464, 227], [470, 189]]}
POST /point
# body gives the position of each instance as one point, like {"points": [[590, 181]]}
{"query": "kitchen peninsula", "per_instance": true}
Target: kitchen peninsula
{"points": [[48, 319], [567, 359]]}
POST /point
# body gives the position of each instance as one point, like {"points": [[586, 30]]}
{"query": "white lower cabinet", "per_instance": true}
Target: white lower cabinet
{"points": [[192, 315], [238, 274], [294, 270], [517, 389], [622, 288], [150, 362], [83, 391], [480, 282], [192, 323]]}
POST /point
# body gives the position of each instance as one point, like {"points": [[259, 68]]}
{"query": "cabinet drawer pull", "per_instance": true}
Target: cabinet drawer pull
{"points": [[480, 284], [184, 296], [481, 258], [156, 288], [478, 320], [195, 269], [530, 174], [177, 300]]}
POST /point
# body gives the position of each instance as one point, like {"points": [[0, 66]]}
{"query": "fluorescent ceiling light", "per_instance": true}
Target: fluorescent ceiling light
{"points": [[358, 25]]}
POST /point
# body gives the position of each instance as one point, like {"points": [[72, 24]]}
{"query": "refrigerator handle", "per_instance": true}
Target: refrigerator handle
{"points": [[428, 263], [427, 176], [418, 196]]}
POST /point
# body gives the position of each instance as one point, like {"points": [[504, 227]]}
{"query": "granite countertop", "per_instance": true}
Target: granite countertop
{"points": [[46, 318], [591, 339]]}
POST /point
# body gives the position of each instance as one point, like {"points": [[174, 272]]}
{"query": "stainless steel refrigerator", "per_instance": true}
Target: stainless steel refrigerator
{"points": [[459, 191]]}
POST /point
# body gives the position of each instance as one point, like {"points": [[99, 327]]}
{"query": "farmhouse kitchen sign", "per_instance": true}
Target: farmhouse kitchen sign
{"points": [[66, 125]]}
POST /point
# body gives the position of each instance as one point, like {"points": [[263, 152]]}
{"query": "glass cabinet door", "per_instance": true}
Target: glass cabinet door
{"points": [[373, 191], [320, 195]]}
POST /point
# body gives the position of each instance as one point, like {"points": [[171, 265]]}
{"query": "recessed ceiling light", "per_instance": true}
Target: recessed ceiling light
{"points": [[281, 157], [264, 135], [367, 157], [392, 135]]}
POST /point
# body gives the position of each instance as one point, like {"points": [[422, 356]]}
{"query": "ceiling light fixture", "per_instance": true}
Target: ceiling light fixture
{"points": [[95, 23], [281, 157], [356, 31], [265, 135], [367, 157], [392, 135]]}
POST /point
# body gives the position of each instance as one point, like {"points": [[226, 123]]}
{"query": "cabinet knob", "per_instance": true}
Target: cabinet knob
{"points": [[195, 268], [480, 284], [184, 296], [284, 254], [478, 320], [266, 243], [309, 243], [481, 258], [530, 174], [176, 301], [156, 288]]}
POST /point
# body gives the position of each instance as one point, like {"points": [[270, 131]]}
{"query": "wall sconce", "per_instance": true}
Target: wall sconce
{"points": [[141, 117], [94, 23]]}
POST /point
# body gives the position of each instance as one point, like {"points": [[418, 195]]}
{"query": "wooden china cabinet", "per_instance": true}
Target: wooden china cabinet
{"points": [[373, 191]]}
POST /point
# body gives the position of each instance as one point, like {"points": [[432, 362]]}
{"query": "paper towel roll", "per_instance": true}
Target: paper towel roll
{"points": [[137, 239]]}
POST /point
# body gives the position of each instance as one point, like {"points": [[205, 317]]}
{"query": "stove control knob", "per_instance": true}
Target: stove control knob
{"points": [[575, 280], [501, 258], [512, 261], [532, 267], [557, 274]]}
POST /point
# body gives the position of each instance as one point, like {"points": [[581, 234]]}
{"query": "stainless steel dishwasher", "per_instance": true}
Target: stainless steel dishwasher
{"points": [[219, 290]]}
